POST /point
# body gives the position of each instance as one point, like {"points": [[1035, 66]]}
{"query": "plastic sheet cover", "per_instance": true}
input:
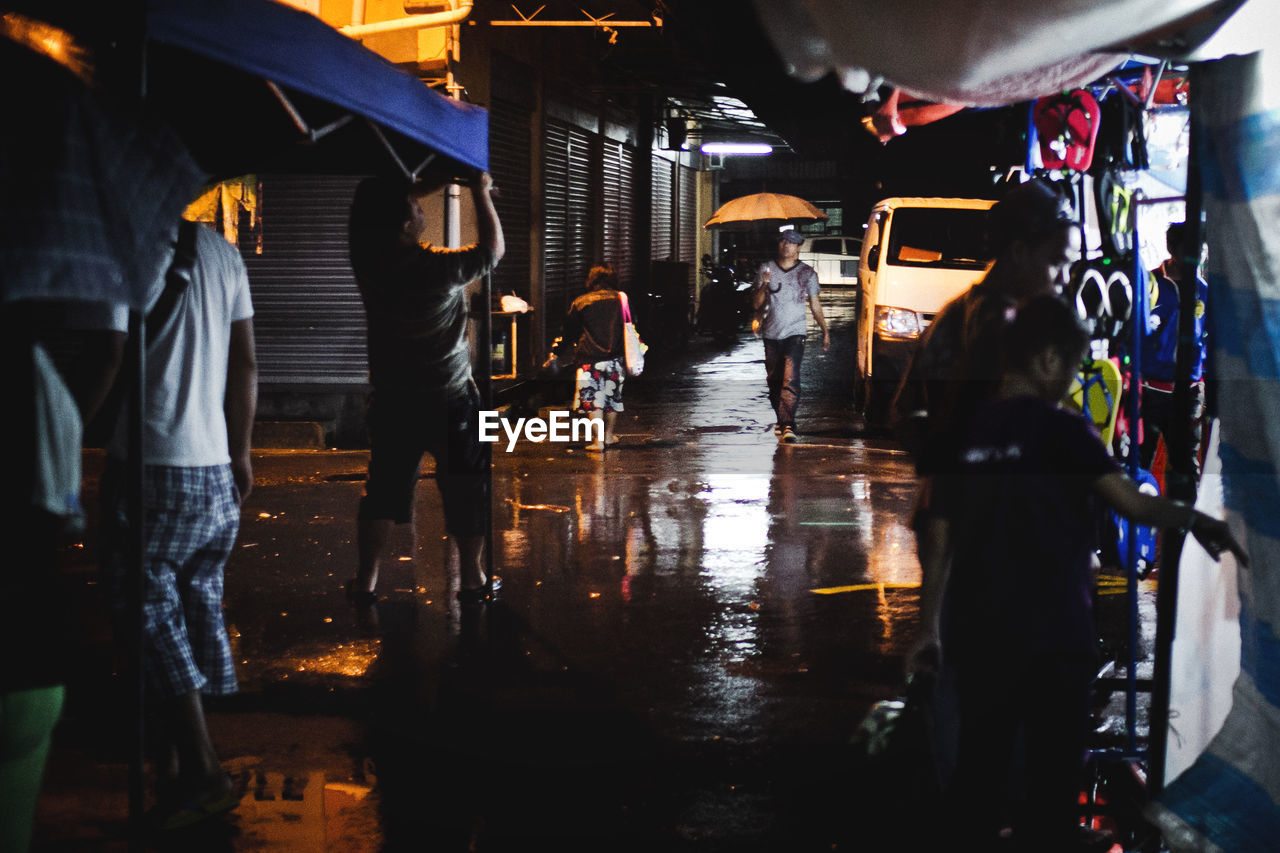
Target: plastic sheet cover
{"points": [[1227, 800], [987, 53]]}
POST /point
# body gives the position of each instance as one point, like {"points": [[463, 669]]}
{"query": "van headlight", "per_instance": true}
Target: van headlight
{"points": [[897, 323]]}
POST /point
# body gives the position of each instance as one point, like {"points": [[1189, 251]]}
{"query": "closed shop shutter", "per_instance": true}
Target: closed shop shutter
{"points": [[569, 228], [687, 216], [619, 237], [581, 221], [660, 238], [308, 318], [509, 164], [556, 221]]}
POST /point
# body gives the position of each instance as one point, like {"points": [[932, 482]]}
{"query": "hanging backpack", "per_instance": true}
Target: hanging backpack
{"points": [[1122, 140]]}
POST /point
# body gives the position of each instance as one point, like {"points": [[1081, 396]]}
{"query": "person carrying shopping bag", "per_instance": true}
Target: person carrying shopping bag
{"points": [[594, 328]]}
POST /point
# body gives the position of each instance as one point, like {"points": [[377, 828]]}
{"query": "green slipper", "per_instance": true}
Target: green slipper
{"points": [[194, 811]]}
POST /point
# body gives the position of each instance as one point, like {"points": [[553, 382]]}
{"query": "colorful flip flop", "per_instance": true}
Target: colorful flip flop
{"points": [[1067, 125]]}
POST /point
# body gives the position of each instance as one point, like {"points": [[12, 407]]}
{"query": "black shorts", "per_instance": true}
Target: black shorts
{"points": [[404, 426]]}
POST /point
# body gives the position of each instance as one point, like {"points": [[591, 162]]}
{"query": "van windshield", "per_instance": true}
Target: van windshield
{"points": [[945, 237]]}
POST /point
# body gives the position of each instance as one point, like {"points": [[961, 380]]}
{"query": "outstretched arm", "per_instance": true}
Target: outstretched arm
{"points": [[487, 222], [569, 335], [1122, 494], [91, 375], [934, 547], [241, 403]]}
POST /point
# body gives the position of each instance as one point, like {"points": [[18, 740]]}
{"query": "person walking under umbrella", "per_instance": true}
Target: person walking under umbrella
{"points": [[783, 286]]}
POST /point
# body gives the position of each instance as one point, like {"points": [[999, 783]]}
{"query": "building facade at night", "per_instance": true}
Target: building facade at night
{"points": [[583, 178]]}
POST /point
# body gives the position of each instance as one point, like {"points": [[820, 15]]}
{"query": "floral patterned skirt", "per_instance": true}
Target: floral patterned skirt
{"points": [[600, 386]]}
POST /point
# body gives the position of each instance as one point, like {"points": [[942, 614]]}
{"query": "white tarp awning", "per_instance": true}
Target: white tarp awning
{"points": [[986, 53]]}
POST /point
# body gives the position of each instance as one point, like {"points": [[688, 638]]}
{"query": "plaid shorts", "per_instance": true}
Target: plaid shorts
{"points": [[192, 518], [600, 386]]}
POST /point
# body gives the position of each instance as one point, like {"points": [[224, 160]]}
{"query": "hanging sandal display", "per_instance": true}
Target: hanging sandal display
{"points": [[1067, 125]]}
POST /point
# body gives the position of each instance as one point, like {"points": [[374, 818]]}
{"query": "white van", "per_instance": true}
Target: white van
{"points": [[834, 258], [917, 255]]}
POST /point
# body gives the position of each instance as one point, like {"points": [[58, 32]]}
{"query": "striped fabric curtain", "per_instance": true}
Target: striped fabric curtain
{"points": [[1227, 799]]}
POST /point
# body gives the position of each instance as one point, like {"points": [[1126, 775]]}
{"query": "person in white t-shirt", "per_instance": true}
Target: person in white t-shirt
{"points": [[783, 288], [201, 399]]}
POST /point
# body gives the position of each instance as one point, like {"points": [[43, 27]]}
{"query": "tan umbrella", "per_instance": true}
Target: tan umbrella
{"points": [[764, 209]]}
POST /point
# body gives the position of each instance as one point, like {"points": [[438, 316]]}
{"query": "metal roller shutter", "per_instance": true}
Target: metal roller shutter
{"points": [[569, 230], [555, 238], [687, 217], [581, 221], [509, 162], [618, 222], [308, 317], [660, 248]]}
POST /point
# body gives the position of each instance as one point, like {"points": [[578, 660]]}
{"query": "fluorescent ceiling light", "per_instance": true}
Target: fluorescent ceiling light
{"points": [[736, 148]]}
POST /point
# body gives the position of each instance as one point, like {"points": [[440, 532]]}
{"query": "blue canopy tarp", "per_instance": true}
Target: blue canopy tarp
{"points": [[208, 67]]}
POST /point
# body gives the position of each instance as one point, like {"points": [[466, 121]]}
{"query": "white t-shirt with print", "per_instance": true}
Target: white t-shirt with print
{"points": [[786, 297]]}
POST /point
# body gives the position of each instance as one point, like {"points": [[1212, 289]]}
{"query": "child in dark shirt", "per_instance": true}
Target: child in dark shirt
{"points": [[1006, 601]]}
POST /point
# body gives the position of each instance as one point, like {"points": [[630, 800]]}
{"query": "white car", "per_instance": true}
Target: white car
{"points": [[834, 258], [920, 253]]}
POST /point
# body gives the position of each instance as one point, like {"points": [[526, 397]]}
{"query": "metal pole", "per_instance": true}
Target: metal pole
{"points": [[452, 210], [453, 195], [1033, 142], [135, 369], [1182, 484], [1133, 463], [484, 331]]}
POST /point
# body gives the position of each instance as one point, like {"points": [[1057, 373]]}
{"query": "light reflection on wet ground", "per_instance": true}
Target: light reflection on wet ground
{"points": [[722, 537], [661, 659]]}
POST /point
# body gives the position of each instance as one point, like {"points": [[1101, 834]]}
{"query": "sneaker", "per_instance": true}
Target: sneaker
{"points": [[788, 435]]}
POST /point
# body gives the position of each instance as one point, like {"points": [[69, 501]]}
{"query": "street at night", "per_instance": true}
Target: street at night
{"points": [[692, 626], [261, 256]]}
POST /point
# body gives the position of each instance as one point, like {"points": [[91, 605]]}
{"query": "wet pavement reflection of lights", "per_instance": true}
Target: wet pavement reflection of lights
{"points": [[736, 537], [351, 659], [659, 626]]}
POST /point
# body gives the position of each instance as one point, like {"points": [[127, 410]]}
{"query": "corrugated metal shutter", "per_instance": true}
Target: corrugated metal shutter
{"points": [[509, 162], [660, 248], [308, 317], [568, 236], [687, 216], [619, 232], [581, 221], [556, 220]]}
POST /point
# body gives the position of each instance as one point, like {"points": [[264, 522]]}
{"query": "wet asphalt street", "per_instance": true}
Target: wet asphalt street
{"points": [[692, 626]]}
